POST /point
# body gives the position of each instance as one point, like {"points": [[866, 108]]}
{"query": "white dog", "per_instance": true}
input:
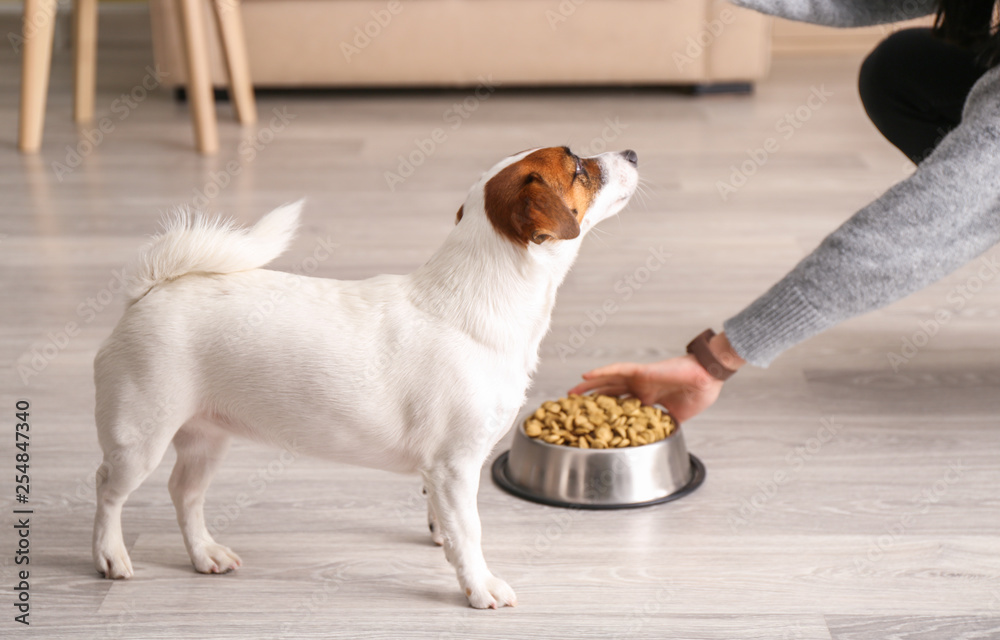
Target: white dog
{"points": [[212, 346]]}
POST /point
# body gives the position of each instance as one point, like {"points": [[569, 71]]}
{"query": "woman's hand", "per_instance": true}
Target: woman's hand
{"points": [[681, 384]]}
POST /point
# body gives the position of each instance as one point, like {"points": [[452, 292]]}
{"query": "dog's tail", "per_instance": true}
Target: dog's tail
{"points": [[190, 243]]}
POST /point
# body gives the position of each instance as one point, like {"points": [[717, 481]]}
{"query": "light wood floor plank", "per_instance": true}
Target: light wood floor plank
{"points": [[888, 528]]}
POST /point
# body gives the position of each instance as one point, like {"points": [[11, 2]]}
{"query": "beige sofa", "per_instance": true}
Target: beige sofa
{"points": [[379, 43]]}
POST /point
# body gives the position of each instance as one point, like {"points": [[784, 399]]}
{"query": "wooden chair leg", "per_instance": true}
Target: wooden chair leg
{"points": [[84, 58], [199, 87], [39, 27], [230, 23]]}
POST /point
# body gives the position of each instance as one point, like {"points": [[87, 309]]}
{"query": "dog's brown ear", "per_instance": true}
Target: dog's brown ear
{"points": [[526, 209], [546, 213], [458, 216]]}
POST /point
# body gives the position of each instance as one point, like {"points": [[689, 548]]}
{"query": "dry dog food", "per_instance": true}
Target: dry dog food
{"points": [[598, 422]]}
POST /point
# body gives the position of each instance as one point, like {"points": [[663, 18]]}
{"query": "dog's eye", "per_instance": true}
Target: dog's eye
{"points": [[580, 171]]}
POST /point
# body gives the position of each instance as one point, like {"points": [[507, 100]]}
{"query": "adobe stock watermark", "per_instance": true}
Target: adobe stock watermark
{"points": [[920, 505], [624, 288], [365, 34], [447, 289], [318, 600], [957, 299], [795, 461], [477, 443], [258, 483], [122, 107], [121, 621], [454, 116], [247, 151], [42, 353], [562, 12], [994, 603], [436, 306], [32, 24], [267, 305], [696, 45], [639, 617], [902, 11], [227, 6], [786, 126], [458, 628], [560, 521], [613, 129], [158, 412]]}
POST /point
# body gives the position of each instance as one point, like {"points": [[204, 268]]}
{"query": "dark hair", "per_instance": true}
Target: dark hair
{"points": [[970, 23]]}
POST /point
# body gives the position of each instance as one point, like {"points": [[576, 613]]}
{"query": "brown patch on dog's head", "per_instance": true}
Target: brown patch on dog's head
{"points": [[458, 216], [543, 196]]}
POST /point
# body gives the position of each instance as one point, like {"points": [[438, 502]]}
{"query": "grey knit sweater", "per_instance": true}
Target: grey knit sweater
{"points": [[941, 217]]}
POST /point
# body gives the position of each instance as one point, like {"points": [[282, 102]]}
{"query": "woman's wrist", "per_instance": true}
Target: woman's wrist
{"points": [[724, 352], [714, 353]]}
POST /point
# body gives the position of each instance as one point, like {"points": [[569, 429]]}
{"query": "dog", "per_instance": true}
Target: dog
{"points": [[420, 373]]}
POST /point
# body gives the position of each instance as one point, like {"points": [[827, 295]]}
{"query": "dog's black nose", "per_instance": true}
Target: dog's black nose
{"points": [[631, 156]]}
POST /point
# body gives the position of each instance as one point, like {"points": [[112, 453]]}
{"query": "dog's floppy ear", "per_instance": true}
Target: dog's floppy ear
{"points": [[546, 214], [526, 209]]}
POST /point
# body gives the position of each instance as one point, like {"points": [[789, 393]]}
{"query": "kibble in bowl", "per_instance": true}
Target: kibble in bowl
{"points": [[598, 422], [552, 458]]}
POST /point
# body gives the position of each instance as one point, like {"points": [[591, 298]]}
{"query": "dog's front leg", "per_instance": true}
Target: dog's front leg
{"points": [[452, 490]]}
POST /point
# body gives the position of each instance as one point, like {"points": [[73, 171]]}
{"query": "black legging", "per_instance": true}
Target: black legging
{"points": [[913, 86]]}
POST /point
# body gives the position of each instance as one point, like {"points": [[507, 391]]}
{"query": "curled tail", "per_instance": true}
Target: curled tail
{"points": [[190, 243]]}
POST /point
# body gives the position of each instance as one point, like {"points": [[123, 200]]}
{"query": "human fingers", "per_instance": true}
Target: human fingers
{"points": [[609, 386], [616, 369]]}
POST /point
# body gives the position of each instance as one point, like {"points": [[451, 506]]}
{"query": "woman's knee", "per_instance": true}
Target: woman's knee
{"points": [[880, 80]]}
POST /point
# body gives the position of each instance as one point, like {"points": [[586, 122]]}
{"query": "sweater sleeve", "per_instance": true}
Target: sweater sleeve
{"points": [[940, 218], [842, 13]]}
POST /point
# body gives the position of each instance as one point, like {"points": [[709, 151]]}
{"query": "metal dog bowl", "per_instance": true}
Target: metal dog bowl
{"points": [[564, 476]]}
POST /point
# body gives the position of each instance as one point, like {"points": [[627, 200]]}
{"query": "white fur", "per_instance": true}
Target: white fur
{"points": [[418, 373], [191, 243]]}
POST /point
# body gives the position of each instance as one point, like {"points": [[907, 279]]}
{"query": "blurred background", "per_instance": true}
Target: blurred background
{"points": [[753, 145]]}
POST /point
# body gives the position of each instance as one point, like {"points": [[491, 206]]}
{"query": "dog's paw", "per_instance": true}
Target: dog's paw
{"points": [[113, 564], [215, 558], [491, 593]]}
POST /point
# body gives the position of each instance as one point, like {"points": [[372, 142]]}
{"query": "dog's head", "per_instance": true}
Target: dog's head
{"points": [[550, 195]]}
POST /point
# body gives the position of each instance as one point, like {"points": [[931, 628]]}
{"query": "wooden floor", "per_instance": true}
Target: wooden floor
{"points": [[844, 500]]}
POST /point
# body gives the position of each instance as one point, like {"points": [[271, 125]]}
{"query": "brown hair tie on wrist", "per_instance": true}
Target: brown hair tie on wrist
{"points": [[699, 349]]}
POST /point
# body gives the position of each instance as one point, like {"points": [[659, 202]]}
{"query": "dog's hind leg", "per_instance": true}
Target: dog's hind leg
{"points": [[134, 441], [432, 522], [200, 448]]}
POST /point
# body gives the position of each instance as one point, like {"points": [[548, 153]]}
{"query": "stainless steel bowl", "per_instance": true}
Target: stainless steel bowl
{"points": [[597, 478]]}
